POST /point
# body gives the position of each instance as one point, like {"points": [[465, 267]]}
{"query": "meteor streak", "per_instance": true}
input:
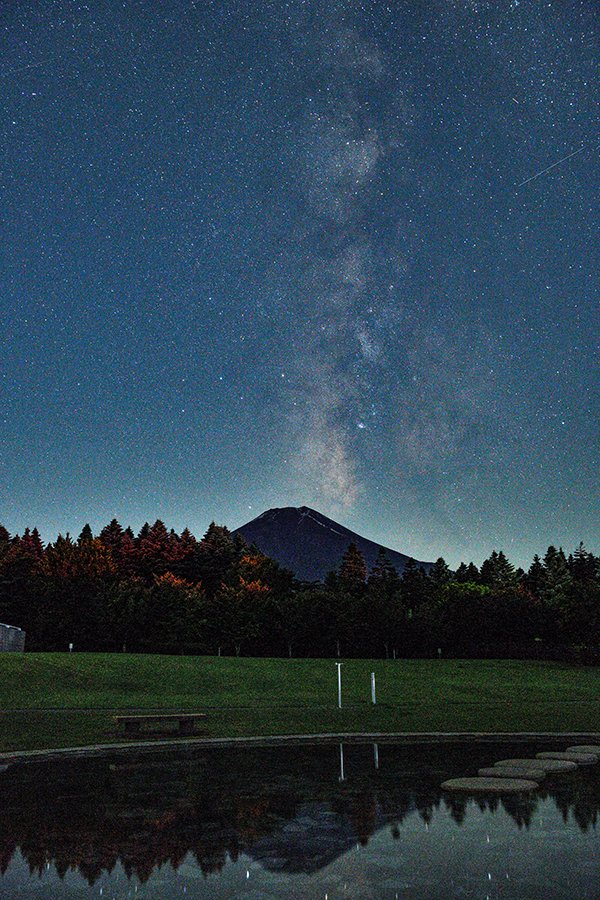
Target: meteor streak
{"points": [[14, 71], [557, 163]]}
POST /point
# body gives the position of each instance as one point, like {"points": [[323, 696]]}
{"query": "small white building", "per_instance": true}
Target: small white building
{"points": [[11, 639]]}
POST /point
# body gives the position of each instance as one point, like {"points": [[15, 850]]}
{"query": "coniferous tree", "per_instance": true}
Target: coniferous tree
{"points": [[414, 586], [461, 573], [557, 576], [22, 584], [254, 565], [4, 539], [463, 624], [78, 581], [349, 589], [384, 615], [112, 537], [383, 571], [184, 566], [128, 554], [353, 570], [583, 565], [324, 621], [86, 535], [291, 622], [31, 543], [238, 610], [215, 557], [157, 550], [415, 594], [142, 533], [467, 574], [128, 614], [175, 615], [4, 543], [535, 579], [497, 571], [440, 573], [580, 618]]}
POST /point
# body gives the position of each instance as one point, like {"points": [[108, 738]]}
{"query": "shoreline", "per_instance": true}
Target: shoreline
{"points": [[20, 757]]}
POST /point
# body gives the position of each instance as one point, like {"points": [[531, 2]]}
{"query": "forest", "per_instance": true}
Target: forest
{"points": [[163, 592]]}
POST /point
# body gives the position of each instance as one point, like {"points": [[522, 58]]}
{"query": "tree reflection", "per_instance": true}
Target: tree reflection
{"points": [[284, 807]]}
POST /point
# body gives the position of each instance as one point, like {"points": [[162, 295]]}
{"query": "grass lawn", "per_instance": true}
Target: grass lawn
{"points": [[57, 699]]}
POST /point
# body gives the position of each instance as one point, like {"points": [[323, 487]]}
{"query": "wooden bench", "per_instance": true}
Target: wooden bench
{"points": [[132, 725]]}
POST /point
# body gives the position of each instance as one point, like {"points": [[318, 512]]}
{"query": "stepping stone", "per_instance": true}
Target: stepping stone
{"points": [[490, 785], [550, 766], [513, 772], [582, 759], [585, 748]]}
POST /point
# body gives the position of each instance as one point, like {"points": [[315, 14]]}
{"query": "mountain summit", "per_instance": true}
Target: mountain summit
{"points": [[308, 543]]}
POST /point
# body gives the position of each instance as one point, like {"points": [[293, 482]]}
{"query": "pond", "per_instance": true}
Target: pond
{"points": [[296, 821]]}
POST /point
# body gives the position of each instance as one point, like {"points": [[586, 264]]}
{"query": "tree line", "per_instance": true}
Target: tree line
{"points": [[159, 591]]}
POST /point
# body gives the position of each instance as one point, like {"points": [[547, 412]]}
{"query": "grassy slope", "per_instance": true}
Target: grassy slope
{"points": [[268, 696]]}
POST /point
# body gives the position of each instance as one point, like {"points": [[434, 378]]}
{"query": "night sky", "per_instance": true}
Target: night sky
{"points": [[260, 254]]}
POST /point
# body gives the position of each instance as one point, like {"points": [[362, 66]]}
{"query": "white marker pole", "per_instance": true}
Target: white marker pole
{"points": [[341, 762], [373, 697], [339, 668], [376, 755]]}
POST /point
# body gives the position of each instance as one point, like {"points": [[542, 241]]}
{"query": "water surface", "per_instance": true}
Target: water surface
{"points": [[320, 821]]}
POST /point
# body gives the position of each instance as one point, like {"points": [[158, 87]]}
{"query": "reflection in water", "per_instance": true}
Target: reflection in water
{"points": [[293, 811]]}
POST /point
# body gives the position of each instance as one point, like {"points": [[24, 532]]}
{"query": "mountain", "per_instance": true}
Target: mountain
{"points": [[310, 544]]}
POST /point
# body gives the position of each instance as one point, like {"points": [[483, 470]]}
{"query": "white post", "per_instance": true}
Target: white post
{"points": [[341, 762], [376, 755], [373, 697], [339, 668]]}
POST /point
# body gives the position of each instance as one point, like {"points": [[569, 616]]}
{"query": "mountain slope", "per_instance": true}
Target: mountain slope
{"points": [[308, 543]]}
